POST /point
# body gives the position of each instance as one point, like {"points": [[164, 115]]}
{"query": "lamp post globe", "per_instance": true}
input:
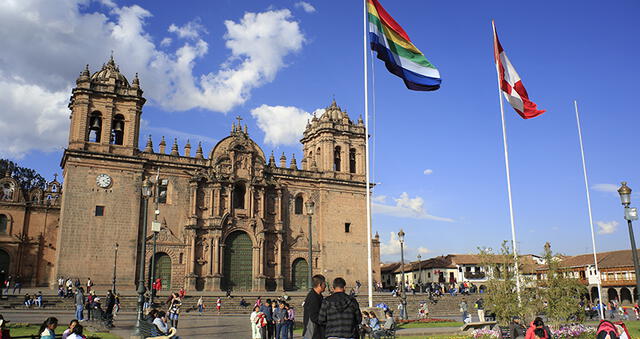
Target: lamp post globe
{"points": [[625, 193]]}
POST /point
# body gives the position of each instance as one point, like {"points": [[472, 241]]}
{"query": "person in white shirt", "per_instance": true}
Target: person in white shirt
{"points": [[76, 333], [69, 330], [161, 323]]}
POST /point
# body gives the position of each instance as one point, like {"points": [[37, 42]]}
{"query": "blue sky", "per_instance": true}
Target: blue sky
{"points": [[563, 50]]}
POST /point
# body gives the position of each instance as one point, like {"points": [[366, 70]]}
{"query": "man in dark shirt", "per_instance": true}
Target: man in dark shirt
{"points": [[313, 301], [340, 313]]}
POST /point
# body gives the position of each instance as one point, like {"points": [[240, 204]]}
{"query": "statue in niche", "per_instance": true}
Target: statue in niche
{"points": [[6, 193]]}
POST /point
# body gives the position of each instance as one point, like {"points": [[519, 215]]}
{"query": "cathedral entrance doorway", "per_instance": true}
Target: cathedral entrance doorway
{"points": [[4, 264], [163, 270], [238, 262], [300, 274]]}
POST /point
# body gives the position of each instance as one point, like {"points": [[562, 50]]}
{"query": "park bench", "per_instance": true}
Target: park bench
{"points": [[478, 325]]}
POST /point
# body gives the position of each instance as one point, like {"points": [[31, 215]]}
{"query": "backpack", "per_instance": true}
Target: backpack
{"points": [[606, 330]]}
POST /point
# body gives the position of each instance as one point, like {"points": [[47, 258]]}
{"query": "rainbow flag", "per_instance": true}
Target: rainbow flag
{"points": [[402, 58]]}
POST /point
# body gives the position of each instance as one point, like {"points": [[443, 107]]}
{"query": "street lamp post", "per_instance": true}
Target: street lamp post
{"points": [[146, 194], [310, 206], [420, 272], [404, 292], [115, 264], [630, 213], [155, 227]]}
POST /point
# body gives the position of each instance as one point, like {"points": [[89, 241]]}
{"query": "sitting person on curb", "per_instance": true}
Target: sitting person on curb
{"points": [[69, 330]]}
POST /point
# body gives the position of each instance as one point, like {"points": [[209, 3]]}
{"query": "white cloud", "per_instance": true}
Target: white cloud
{"points": [[427, 171], [34, 117], [166, 42], [191, 30], [423, 250], [392, 247], [307, 7], [379, 198], [63, 37], [406, 207], [282, 125], [607, 227], [607, 188]]}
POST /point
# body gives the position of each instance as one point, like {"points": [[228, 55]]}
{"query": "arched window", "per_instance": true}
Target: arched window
{"points": [[4, 222], [238, 195], [299, 203], [95, 127], [336, 159], [117, 130], [352, 160]]}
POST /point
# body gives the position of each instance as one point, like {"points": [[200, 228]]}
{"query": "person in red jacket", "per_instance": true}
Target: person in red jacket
{"points": [[537, 323]]}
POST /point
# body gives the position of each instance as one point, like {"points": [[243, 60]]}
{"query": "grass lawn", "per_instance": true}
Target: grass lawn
{"points": [[418, 324], [33, 329]]}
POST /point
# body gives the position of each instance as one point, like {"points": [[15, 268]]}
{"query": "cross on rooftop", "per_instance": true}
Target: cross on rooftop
{"points": [[239, 119]]}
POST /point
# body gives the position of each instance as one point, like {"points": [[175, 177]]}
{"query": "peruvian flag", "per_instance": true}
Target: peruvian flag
{"points": [[510, 82]]}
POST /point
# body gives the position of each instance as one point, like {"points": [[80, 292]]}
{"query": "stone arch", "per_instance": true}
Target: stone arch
{"points": [[237, 266], [300, 274], [117, 130], [163, 269], [298, 204], [625, 296], [612, 294], [5, 223], [594, 294], [95, 127], [239, 195]]}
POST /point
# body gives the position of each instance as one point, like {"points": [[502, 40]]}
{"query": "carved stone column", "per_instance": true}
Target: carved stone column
{"points": [[279, 268], [259, 282], [212, 281], [191, 276], [216, 208], [278, 208]]}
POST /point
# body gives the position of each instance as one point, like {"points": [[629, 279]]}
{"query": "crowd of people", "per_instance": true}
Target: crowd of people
{"points": [[438, 289], [11, 281]]}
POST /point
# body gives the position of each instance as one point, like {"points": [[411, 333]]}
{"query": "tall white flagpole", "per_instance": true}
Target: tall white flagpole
{"points": [[366, 147], [593, 234], [506, 163]]}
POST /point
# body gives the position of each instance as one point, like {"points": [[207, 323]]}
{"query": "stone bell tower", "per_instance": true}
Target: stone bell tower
{"points": [[334, 143], [105, 111]]}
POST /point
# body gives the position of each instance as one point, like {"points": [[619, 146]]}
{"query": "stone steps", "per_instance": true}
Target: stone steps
{"points": [[446, 305]]}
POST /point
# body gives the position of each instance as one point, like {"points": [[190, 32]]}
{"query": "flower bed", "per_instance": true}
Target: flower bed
{"points": [[426, 320], [576, 331]]}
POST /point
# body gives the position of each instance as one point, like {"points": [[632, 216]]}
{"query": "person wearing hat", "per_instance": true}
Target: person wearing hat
{"points": [[516, 329]]}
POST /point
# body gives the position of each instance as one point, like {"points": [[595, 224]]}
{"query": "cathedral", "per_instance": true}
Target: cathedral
{"points": [[229, 218]]}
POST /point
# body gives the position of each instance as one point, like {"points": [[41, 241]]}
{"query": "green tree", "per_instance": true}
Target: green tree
{"points": [[558, 291], [502, 296], [27, 177]]}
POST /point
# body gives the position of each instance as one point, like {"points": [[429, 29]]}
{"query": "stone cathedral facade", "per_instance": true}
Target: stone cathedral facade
{"points": [[230, 218]]}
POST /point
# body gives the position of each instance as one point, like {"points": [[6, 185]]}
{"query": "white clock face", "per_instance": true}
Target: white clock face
{"points": [[103, 180]]}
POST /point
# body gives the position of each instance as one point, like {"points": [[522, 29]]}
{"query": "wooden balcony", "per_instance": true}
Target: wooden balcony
{"points": [[619, 282]]}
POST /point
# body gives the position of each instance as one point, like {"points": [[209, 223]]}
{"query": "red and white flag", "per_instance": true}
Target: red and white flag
{"points": [[510, 83]]}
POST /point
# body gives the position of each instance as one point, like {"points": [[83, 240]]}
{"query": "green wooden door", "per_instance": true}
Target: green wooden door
{"points": [[300, 274], [4, 264], [238, 262], [163, 270]]}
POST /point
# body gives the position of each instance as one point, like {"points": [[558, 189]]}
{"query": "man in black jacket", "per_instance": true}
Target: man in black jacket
{"points": [[340, 313], [312, 303]]}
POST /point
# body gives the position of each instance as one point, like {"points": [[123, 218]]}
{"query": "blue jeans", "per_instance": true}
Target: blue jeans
{"points": [[464, 315], [280, 331], [79, 309]]}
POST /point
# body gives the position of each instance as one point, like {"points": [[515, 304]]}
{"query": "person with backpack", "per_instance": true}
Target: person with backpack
{"points": [[536, 324]]}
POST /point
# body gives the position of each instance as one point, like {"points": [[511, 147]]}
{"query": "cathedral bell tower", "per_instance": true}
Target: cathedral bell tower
{"points": [[105, 111], [334, 143]]}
